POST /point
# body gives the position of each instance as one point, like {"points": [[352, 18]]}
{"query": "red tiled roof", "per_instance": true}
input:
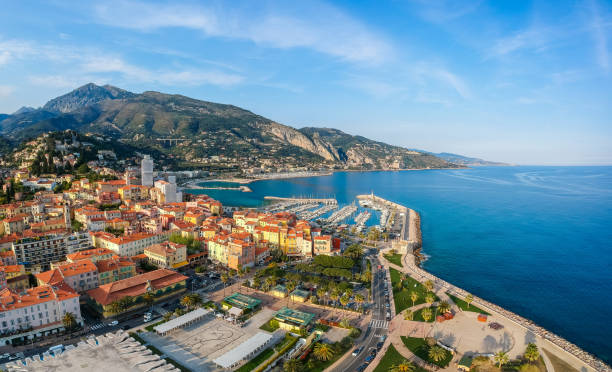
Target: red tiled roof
{"points": [[135, 286]]}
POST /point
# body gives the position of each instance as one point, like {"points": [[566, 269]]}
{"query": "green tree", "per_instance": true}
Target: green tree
{"points": [[148, 298], [414, 296], [405, 366], [426, 314], [408, 314], [429, 285], [501, 358], [69, 320], [323, 351], [444, 307], [115, 307], [344, 300], [224, 279], [469, 298], [436, 353], [429, 298], [359, 299], [292, 365], [531, 353]]}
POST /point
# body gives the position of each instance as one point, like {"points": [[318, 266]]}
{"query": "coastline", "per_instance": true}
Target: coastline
{"points": [[410, 258]]}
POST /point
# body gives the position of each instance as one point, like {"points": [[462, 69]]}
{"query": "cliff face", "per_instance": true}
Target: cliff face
{"points": [[207, 129]]}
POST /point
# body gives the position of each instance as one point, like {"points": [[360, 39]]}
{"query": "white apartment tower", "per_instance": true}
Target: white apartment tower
{"points": [[146, 171]]}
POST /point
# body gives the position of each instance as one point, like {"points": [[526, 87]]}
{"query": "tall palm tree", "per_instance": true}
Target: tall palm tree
{"points": [[426, 314], [359, 299], [405, 366], [224, 279], [429, 298], [429, 285], [344, 300], [531, 353], [148, 299], [126, 302], [115, 307], [323, 351], [501, 358], [444, 307], [408, 315], [292, 365], [414, 296], [436, 353], [469, 298], [69, 320]]}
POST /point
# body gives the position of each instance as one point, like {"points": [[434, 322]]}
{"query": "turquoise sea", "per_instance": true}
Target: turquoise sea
{"points": [[535, 240]]}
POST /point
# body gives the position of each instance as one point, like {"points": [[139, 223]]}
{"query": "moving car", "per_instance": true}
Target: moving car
{"points": [[357, 351], [113, 323]]}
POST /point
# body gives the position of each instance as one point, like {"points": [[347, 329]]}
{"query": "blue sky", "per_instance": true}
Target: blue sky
{"points": [[516, 81]]}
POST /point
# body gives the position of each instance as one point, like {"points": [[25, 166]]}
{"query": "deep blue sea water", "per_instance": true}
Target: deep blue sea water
{"points": [[535, 240]]}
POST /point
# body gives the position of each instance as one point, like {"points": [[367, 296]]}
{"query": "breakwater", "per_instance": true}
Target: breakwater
{"points": [[549, 338]]}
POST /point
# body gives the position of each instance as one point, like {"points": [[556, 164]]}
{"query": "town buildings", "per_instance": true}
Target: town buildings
{"points": [[167, 255]]}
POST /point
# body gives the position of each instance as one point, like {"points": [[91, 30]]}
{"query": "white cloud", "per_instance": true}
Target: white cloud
{"points": [[317, 26], [600, 37], [6, 90], [440, 11], [534, 39]]}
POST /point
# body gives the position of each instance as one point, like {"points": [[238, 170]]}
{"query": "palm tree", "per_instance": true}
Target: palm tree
{"points": [[429, 285], [414, 296], [426, 314], [344, 300], [323, 351], [359, 299], [531, 353], [114, 307], [69, 320], [404, 366], [148, 299], [408, 315], [444, 307], [292, 365], [429, 298], [436, 353], [126, 302], [501, 358], [224, 279], [469, 298]]}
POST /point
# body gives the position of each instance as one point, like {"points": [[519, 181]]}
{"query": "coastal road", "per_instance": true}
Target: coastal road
{"points": [[377, 327]]}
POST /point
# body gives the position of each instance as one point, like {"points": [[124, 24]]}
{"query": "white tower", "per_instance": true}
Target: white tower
{"points": [[146, 171]]}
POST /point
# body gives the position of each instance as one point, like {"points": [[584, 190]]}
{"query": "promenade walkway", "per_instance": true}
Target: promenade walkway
{"points": [[570, 353]]}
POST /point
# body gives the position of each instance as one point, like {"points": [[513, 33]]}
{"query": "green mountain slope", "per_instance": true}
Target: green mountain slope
{"points": [[205, 132]]}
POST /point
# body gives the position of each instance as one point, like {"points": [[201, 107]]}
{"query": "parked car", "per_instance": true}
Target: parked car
{"points": [[357, 351], [369, 359], [379, 345], [362, 368]]}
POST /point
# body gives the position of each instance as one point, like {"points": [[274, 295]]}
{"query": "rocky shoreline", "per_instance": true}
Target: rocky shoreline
{"points": [[554, 339]]}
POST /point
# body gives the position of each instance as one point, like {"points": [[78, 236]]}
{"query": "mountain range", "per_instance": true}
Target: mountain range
{"points": [[205, 131]]}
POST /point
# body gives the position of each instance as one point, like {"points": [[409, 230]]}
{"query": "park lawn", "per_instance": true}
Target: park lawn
{"points": [[418, 315], [268, 327], [321, 365], [253, 363], [558, 364], [394, 259], [402, 297], [393, 357], [464, 305], [420, 348]]}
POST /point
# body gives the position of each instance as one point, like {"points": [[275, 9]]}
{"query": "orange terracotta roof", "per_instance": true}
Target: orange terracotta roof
{"points": [[10, 300], [113, 264], [135, 286], [86, 254]]}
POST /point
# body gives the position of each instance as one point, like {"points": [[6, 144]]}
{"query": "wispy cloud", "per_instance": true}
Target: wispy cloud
{"points": [[600, 36], [6, 90], [429, 74], [440, 11], [317, 26], [534, 39]]}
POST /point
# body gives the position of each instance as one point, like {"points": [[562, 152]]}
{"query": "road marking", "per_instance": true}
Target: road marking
{"points": [[379, 323]]}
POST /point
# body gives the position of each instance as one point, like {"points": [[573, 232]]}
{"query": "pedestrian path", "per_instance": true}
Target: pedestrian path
{"points": [[379, 323]]}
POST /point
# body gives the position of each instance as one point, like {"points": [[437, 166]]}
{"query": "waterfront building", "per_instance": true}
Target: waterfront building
{"points": [[167, 255], [293, 320], [40, 308], [146, 171], [80, 276], [322, 244], [160, 283], [130, 245], [114, 269]]}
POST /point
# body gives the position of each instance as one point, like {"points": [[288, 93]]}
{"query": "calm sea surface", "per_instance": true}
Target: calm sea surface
{"points": [[535, 240]]}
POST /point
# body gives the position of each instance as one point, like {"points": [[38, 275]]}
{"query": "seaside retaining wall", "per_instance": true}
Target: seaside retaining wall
{"points": [[551, 339]]}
